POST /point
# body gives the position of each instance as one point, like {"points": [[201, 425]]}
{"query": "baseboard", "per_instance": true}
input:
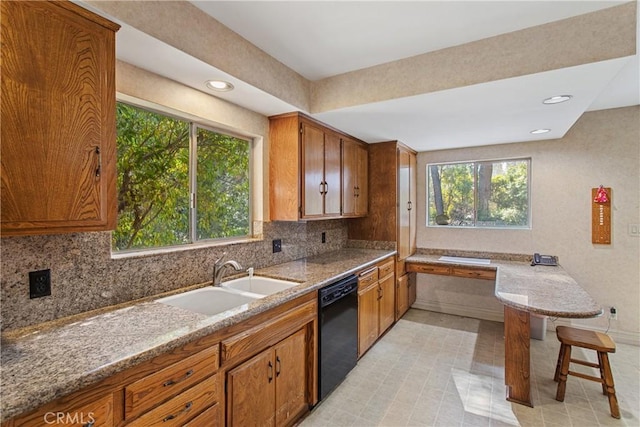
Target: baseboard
{"points": [[460, 310]]}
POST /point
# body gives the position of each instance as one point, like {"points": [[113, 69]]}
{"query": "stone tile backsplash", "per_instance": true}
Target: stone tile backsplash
{"points": [[84, 276]]}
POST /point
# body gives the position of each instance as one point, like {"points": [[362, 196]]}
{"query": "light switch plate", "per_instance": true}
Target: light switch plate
{"points": [[634, 230]]}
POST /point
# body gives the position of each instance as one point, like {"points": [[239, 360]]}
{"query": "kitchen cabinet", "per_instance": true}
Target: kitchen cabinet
{"points": [[269, 389], [376, 303], [405, 293], [306, 169], [392, 205], [58, 119], [355, 174]]}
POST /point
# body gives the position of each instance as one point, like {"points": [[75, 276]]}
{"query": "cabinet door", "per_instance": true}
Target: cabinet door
{"points": [[251, 395], [313, 186], [291, 378], [413, 197], [412, 288], [332, 175], [362, 183], [404, 203], [387, 302], [349, 176], [402, 296], [367, 317], [58, 120]]}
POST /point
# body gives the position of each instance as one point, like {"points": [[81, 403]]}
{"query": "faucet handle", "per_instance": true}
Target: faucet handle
{"points": [[219, 260]]}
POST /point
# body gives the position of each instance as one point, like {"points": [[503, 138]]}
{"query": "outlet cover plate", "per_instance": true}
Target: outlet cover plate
{"points": [[39, 283], [277, 245]]}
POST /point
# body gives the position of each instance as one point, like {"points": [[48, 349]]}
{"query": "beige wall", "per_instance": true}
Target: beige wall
{"points": [[603, 147]]}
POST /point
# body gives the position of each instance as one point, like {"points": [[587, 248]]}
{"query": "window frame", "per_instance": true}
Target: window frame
{"points": [[475, 163], [194, 123]]}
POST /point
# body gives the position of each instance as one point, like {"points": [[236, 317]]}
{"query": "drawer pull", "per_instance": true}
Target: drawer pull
{"points": [[89, 424], [278, 366], [270, 374], [172, 381], [187, 407], [371, 270]]}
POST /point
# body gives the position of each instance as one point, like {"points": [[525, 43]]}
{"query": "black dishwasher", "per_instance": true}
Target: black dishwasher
{"points": [[338, 346]]}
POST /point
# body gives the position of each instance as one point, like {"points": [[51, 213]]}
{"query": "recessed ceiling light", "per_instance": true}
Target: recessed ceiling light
{"points": [[219, 85], [539, 131], [557, 99]]}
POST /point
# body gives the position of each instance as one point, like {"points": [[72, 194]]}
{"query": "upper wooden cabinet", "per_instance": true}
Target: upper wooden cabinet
{"points": [[307, 170], [406, 240], [355, 170], [58, 119]]}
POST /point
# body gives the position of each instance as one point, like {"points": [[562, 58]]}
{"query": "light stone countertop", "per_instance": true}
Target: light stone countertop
{"points": [[40, 364], [542, 290]]}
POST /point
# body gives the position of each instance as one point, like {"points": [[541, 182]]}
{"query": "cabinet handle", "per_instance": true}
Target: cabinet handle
{"points": [[409, 205], [270, 371], [187, 408], [172, 381], [326, 187], [278, 366], [379, 293], [89, 424], [98, 169]]}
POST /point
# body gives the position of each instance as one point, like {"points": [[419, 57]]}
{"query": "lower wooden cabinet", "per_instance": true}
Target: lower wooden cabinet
{"points": [[405, 293], [376, 303], [270, 388]]}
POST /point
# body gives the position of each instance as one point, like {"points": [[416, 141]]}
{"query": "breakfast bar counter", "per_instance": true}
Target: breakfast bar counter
{"points": [[523, 289]]}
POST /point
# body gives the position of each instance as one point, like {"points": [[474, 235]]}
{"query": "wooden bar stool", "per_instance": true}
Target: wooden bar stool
{"points": [[602, 344]]}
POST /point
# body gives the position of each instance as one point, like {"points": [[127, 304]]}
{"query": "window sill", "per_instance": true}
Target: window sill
{"points": [[144, 253]]}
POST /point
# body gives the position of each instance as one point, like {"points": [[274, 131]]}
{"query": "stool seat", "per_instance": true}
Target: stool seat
{"points": [[592, 340], [586, 339]]}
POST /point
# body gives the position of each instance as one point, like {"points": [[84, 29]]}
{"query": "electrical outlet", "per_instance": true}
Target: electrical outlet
{"points": [[634, 230], [39, 283], [324, 237], [613, 313], [277, 245]]}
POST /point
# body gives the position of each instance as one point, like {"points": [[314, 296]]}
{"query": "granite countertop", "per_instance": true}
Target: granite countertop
{"points": [[44, 363], [543, 290]]}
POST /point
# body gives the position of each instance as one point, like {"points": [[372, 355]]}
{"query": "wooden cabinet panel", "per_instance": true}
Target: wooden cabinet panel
{"points": [[251, 395], [209, 418], [58, 119], [406, 203], [332, 175], [412, 289], [402, 296], [313, 171], [367, 277], [183, 407], [429, 269], [387, 303], [291, 378], [386, 268], [355, 172], [100, 412], [153, 389], [473, 273], [367, 317]]}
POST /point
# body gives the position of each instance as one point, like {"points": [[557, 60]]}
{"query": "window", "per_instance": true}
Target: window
{"points": [[479, 194], [178, 182]]}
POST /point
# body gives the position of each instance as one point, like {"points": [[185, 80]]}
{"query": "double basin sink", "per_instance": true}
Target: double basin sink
{"points": [[212, 300]]}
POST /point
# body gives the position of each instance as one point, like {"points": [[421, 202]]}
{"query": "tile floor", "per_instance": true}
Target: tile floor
{"points": [[435, 369]]}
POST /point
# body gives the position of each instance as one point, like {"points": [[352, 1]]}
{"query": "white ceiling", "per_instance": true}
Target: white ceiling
{"points": [[324, 38]]}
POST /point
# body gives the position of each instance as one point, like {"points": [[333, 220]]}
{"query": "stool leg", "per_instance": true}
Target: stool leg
{"points": [[611, 392], [556, 376], [564, 371], [601, 367]]}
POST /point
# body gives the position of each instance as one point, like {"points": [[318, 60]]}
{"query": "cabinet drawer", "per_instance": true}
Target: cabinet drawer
{"points": [[209, 418], [98, 412], [153, 389], [262, 336], [386, 268], [183, 407], [367, 277], [429, 269], [473, 273]]}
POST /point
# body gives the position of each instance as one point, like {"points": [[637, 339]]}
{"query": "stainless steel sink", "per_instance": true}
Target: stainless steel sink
{"points": [[210, 300], [258, 285]]}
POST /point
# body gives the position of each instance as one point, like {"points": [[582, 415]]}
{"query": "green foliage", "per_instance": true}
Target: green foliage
{"points": [[153, 182], [504, 201]]}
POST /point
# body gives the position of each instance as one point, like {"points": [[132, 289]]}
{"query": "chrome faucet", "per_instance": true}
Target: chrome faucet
{"points": [[219, 266]]}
